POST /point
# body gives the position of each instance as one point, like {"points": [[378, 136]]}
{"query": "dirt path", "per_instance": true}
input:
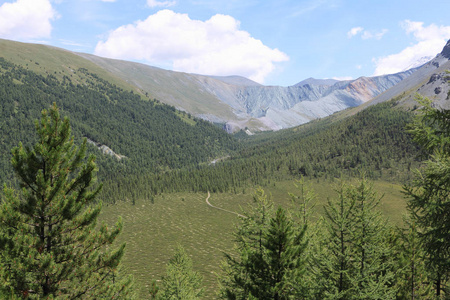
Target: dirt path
{"points": [[228, 211]]}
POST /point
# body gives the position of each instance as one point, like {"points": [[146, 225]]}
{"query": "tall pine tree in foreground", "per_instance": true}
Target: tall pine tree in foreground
{"points": [[50, 246]]}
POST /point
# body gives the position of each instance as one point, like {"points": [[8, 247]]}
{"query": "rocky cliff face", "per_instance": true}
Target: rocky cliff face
{"points": [[280, 107], [446, 51]]}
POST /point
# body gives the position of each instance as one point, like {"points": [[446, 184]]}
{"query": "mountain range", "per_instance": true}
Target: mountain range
{"points": [[237, 102], [241, 103]]}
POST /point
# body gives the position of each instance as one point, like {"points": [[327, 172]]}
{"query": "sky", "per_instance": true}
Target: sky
{"points": [[273, 42]]}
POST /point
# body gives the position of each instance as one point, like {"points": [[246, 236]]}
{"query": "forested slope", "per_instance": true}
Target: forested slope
{"points": [[374, 142], [167, 150], [152, 136]]}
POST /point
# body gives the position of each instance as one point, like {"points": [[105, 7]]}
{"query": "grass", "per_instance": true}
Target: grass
{"points": [[48, 60], [153, 230]]}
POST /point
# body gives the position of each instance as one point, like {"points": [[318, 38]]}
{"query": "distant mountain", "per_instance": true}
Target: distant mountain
{"points": [[234, 101], [237, 80], [239, 102], [313, 81]]}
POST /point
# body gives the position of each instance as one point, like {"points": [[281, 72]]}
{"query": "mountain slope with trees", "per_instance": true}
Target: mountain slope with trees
{"points": [[153, 137]]}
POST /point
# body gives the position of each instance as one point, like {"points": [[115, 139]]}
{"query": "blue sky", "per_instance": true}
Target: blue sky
{"points": [[274, 42]]}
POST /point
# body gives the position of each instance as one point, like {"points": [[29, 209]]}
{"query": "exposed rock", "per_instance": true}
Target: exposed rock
{"points": [[438, 90], [105, 149], [434, 78], [241, 103], [436, 64], [446, 51]]}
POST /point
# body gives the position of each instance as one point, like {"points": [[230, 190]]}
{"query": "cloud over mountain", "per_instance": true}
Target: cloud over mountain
{"points": [[429, 41], [216, 46], [26, 19]]}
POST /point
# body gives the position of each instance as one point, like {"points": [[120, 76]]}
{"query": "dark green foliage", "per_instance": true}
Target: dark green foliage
{"points": [[429, 194], [165, 153], [153, 137], [270, 260], [50, 247], [374, 141]]}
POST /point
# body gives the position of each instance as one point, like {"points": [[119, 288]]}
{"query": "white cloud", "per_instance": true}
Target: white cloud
{"points": [[373, 35], [343, 78], [354, 31], [155, 3], [365, 34], [215, 47], [26, 19], [429, 41]]}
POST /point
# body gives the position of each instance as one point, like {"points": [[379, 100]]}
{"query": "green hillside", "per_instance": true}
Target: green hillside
{"points": [[152, 136]]}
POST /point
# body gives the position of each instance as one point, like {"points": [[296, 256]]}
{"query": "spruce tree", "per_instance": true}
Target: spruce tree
{"points": [[50, 244]]}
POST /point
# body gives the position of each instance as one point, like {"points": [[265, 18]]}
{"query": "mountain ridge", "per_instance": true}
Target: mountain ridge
{"points": [[240, 103], [234, 101]]}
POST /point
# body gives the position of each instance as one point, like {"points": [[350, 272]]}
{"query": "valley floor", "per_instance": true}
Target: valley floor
{"points": [[153, 230]]}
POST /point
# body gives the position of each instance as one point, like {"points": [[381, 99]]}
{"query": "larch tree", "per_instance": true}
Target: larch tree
{"points": [[51, 246], [335, 262], [239, 278], [181, 282], [373, 271], [270, 258], [413, 277], [429, 194]]}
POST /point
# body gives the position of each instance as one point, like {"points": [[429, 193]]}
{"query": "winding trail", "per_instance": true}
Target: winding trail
{"points": [[219, 208]]}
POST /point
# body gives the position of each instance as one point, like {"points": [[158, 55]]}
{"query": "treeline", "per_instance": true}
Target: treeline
{"points": [[374, 141], [153, 137]]}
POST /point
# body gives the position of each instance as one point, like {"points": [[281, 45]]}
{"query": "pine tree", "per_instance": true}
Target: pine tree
{"points": [[49, 241], [181, 281]]}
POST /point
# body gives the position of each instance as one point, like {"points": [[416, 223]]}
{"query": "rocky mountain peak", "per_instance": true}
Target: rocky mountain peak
{"points": [[446, 51]]}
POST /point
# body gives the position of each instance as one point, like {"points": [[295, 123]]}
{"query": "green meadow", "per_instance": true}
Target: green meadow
{"points": [[153, 230]]}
